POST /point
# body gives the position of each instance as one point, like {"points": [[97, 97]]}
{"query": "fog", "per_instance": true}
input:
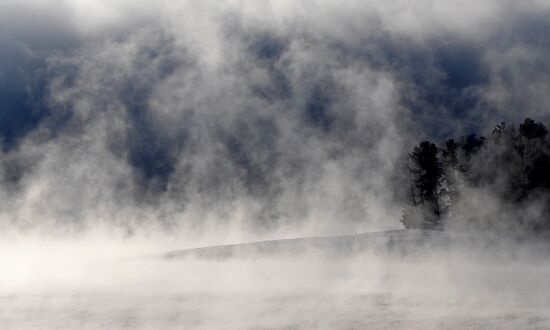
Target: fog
{"points": [[129, 129], [242, 119], [93, 284]]}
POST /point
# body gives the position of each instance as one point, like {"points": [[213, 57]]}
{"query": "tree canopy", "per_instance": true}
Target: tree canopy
{"points": [[501, 181]]}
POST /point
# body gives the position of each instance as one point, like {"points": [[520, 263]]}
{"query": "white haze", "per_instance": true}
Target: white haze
{"points": [[88, 285], [71, 226], [191, 72]]}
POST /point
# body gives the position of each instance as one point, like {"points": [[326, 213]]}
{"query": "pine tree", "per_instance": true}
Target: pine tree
{"points": [[425, 172]]}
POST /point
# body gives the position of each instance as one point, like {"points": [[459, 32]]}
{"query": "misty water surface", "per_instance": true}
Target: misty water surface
{"points": [[447, 290]]}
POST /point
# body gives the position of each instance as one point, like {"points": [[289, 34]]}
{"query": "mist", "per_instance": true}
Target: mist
{"points": [[132, 129], [76, 284]]}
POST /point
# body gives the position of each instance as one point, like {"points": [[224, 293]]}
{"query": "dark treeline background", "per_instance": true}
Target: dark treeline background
{"points": [[499, 181]]}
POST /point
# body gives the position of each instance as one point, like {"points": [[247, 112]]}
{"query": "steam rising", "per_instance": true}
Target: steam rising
{"points": [[262, 117], [129, 128]]}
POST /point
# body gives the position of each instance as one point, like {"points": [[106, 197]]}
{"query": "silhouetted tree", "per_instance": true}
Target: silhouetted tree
{"points": [[425, 172], [471, 144], [450, 153], [449, 184], [511, 167], [533, 130]]}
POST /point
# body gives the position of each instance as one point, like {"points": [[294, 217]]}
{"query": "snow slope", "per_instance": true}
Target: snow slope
{"points": [[410, 243]]}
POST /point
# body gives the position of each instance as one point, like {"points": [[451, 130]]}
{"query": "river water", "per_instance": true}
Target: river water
{"points": [[305, 292]]}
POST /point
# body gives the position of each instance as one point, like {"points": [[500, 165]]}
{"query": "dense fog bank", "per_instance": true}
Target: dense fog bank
{"points": [[79, 284], [256, 119]]}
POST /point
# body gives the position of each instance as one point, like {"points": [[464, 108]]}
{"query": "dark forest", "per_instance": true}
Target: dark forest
{"points": [[511, 164]]}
